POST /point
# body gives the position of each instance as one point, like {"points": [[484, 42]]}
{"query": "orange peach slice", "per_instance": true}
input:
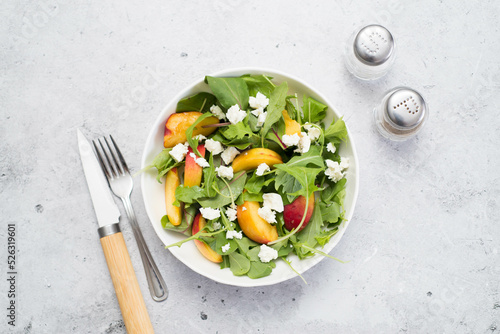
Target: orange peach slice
{"points": [[193, 171], [251, 159], [253, 225], [295, 211], [178, 123], [205, 250], [172, 182], [291, 126]]}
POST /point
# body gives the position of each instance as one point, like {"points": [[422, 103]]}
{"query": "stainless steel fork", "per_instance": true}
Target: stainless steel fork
{"points": [[120, 181]]}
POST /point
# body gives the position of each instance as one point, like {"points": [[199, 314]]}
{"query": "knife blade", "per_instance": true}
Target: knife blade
{"points": [[128, 293]]}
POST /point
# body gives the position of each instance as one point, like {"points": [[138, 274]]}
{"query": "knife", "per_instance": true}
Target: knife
{"points": [[128, 293]]}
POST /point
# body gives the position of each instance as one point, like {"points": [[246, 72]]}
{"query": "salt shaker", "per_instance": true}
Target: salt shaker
{"points": [[370, 52], [401, 114]]}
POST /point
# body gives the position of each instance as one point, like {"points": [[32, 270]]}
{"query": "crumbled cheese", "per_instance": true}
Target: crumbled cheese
{"points": [[234, 234], [214, 146], [273, 201], [267, 214], [226, 247], [202, 162], [229, 154], [267, 254], [262, 168], [304, 144], [226, 172], [257, 112], [217, 112], [259, 101], [179, 152], [333, 171], [313, 132], [216, 226], [199, 137], [344, 163], [209, 213], [331, 148], [244, 208], [261, 119], [231, 214], [291, 140], [235, 114]]}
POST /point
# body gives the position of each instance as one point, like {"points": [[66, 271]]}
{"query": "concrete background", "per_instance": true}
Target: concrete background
{"points": [[423, 244]]}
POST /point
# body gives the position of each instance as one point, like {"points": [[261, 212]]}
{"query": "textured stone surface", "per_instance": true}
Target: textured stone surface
{"points": [[424, 242]]}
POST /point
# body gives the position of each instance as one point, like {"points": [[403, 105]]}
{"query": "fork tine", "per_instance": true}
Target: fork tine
{"points": [[104, 167], [113, 155], [112, 166], [124, 164]]}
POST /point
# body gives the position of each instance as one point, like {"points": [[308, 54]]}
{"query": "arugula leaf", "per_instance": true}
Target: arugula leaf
{"points": [[308, 234], [255, 183], [224, 196], [313, 110], [324, 236], [239, 264], [246, 196], [189, 133], [336, 132], [275, 107], [209, 177], [237, 131], [259, 83], [287, 183], [244, 244], [188, 195], [163, 162], [330, 213], [332, 190], [220, 241], [305, 175], [312, 157], [291, 109], [199, 102], [185, 225], [259, 269], [240, 144], [229, 91]]}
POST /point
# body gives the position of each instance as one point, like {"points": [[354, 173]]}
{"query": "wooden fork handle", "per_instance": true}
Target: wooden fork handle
{"points": [[128, 293]]}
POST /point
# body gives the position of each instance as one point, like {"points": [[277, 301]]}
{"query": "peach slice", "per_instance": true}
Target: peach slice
{"points": [[178, 123], [291, 126], [251, 159], [205, 250], [295, 211], [172, 181], [254, 227], [193, 171]]}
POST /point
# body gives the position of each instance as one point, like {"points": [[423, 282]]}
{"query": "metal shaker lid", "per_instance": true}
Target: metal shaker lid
{"points": [[406, 108], [373, 45]]}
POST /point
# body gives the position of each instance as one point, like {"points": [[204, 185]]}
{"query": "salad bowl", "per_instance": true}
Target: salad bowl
{"points": [[154, 193]]}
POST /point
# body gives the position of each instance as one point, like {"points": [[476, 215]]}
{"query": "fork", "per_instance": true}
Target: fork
{"points": [[120, 181]]}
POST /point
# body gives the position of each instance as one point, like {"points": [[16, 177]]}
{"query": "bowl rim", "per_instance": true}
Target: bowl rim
{"points": [[237, 71]]}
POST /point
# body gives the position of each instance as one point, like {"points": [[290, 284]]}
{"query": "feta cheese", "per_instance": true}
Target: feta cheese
{"points": [[259, 101], [244, 209], [234, 234], [199, 137], [202, 162], [231, 214], [209, 213], [344, 163], [267, 214], [216, 226], [217, 112], [261, 119], [179, 152], [262, 168], [214, 146], [291, 140], [229, 154], [333, 171], [235, 114], [304, 144], [226, 247], [226, 172], [257, 112], [313, 132], [267, 254], [331, 148], [273, 201]]}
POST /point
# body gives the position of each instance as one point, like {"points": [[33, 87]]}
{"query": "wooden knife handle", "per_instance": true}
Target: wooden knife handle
{"points": [[134, 312]]}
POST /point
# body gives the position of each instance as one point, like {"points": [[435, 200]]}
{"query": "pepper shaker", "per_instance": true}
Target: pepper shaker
{"points": [[370, 52], [401, 115]]}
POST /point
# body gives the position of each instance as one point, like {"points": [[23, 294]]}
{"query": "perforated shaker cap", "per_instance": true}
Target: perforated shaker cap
{"points": [[406, 108], [373, 45]]}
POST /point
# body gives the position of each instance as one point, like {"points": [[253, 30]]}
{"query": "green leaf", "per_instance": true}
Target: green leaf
{"points": [[188, 195], [330, 213], [311, 158], [220, 241], [253, 254], [275, 107], [199, 102], [223, 198], [255, 183], [185, 225], [237, 131], [244, 244], [246, 196], [189, 133], [259, 83], [313, 110], [305, 175], [259, 269], [324, 237], [332, 189], [229, 91], [239, 264], [209, 177], [240, 144], [336, 132], [291, 109], [308, 234], [287, 183], [163, 162]]}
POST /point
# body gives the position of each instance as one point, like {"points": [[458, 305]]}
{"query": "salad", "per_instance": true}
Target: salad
{"points": [[252, 174]]}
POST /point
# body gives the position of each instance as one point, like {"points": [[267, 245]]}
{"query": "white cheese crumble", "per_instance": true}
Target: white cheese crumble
{"points": [[262, 168], [226, 247], [229, 154], [209, 213], [226, 172], [217, 112], [312, 131], [259, 101], [216, 226], [231, 214], [331, 148], [257, 112], [267, 254], [291, 140], [244, 208], [334, 170], [199, 161], [261, 119], [214, 146], [304, 144], [344, 163], [199, 137], [235, 114], [179, 152], [273, 201], [234, 234], [267, 214]]}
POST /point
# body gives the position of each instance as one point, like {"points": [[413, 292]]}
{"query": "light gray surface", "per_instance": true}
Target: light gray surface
{"points": [[424, 242]]}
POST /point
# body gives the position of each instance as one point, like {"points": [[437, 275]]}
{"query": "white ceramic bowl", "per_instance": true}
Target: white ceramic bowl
{"points": [[154, 197]]}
